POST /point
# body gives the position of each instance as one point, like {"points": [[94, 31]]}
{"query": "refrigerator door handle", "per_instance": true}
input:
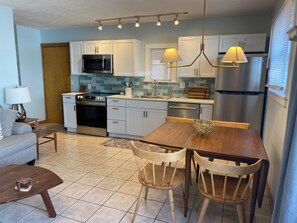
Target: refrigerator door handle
{"points": [[240, 92]]}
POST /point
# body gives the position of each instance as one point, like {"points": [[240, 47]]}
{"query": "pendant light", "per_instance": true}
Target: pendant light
{"points": [[234, 55]]}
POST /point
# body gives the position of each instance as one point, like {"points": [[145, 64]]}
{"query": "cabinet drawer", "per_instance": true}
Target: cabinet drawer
{"points": [[116, 102], [116, 126], [118, 113], [69, 99], [162, 105]]}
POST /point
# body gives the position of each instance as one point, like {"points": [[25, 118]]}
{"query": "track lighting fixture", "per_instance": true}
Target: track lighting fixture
{"points": [[120, 24], [100, 26], [137, 17], [159, 21], [137, 22], [176, 22]]}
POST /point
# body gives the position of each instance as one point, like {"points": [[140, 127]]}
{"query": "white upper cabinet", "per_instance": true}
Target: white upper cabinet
{"points": [[189, 48], [248, 42], [98, 47], [76, 52], [126, 57], [211, 50]]}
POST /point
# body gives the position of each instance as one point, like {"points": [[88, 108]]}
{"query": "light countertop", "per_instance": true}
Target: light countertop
{"points": [[73, 93], [174, 99]]}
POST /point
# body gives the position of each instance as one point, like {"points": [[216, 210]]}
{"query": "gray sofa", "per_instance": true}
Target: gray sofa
{"points": [[18, 147]]}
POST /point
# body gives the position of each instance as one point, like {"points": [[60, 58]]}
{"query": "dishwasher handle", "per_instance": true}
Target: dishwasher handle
{"points": [[183, 107]]}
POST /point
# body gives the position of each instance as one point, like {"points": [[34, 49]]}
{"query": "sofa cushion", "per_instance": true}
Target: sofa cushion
{"points": [[21, 128], [8, 117], [16, 143]]}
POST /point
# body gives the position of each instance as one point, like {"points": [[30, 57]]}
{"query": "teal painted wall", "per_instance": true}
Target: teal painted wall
{"points": [[30, 68], [8, 58]]}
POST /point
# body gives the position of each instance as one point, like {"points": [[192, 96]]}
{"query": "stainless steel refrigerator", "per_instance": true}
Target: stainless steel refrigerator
{"points": [[240, 92]]}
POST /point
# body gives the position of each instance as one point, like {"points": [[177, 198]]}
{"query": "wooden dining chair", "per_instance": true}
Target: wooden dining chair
{"points": [[181, 120], [225, 184], [178, 119], [154, 172], [239, 125]]}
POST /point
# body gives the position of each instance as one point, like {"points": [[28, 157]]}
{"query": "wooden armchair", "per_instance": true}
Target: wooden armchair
{"points": [[154, 172], [226, 184]]}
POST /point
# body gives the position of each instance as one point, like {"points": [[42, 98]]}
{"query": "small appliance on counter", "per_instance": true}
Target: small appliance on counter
{"points": [[128, 90]]}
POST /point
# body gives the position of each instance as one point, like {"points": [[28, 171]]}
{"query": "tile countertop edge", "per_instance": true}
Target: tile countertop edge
{"points": [[187, 100]]}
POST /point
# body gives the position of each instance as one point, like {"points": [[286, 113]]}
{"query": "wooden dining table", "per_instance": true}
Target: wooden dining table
{"points": [[239, 145]]}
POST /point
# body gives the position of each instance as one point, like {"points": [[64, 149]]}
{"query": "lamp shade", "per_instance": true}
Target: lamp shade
{"points": [[235, 54], [170, 56], [17, 95]]}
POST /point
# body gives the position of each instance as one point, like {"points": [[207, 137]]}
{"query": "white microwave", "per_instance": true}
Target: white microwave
{"points": [[98, 63]]}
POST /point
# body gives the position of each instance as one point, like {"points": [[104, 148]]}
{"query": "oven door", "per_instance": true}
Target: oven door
{"points": [[91, 117]]}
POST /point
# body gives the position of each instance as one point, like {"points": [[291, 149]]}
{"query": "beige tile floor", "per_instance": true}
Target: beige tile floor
{"points": [[100, 185]]}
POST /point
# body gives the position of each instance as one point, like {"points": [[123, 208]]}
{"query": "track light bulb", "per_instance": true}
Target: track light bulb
{"points": [[137, 23], [176, 22], [120, 24], [159, 21], [100, 26]]}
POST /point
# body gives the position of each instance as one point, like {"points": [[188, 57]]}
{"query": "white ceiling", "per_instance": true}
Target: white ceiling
{"points": [[44, 14]]}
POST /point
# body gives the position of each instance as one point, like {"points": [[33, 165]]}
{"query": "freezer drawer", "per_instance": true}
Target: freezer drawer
{"points": [[239, 108]]}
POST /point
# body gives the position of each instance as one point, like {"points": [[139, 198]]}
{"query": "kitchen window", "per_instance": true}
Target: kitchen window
{"points": [[154, 70], [279, 52]]}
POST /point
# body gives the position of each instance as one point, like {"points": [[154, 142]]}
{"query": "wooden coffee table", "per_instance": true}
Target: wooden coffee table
{"points": [[43, 180]]}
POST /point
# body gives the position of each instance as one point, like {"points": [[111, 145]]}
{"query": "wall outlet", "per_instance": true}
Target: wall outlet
{"points": [[89, 86], [182, 85]]}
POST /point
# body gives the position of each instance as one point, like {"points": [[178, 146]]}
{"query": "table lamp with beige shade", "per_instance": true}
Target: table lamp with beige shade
{"points": [[16, 97]]}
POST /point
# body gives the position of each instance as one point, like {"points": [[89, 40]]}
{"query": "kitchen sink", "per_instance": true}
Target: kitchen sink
{"points": [[153, 97]]}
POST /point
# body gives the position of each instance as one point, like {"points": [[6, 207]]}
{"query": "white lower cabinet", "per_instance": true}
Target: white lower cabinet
{"points": [[134, 118], [69, 112], [206, 112], [141, 122], [116, 126], [116, 116]]}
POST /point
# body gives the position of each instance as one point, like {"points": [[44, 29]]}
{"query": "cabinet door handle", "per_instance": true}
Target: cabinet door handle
{"points": [[144, 114], [74, 108], [200, 110], [115, 122], [115, 108], [115, 101], [68, 97]]}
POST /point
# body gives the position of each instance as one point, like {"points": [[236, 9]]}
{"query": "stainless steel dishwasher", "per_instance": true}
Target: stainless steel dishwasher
{"points": [[183, 110]]}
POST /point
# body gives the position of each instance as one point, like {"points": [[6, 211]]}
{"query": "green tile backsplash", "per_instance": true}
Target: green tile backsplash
{"points": [[105, 83]]}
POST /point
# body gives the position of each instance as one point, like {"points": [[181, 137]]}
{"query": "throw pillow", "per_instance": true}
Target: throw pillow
{"points": [[8, 117], [1, 135]]}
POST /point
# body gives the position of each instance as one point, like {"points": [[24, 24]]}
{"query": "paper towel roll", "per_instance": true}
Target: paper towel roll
{"points": [[128, 91]]}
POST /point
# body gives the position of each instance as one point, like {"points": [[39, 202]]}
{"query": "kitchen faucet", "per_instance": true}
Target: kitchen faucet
{"points": [[154, 87]]}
